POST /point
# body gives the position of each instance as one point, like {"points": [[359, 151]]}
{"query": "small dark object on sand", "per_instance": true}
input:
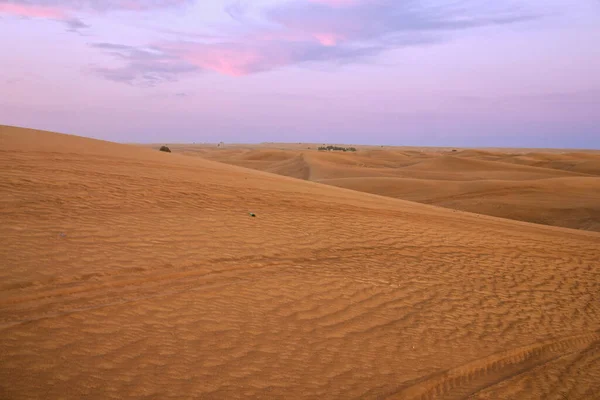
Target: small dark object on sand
{"points": [[252, 214]]}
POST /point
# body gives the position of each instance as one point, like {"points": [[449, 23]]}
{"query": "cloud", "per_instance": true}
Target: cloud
{"points": [[144, 67], [64, 10], [243, 58], [26, 10], [75, 24], [59, 6], [366, 20], [148, 67], [301, 31], [337, 31], [29, 10]]}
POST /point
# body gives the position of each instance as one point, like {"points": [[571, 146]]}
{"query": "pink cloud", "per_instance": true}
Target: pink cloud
{"points": [[61, 10], [328, 39], [97, 5], [32, 11], [45, 12], [64, 10], [231, 59], [224, 61]]}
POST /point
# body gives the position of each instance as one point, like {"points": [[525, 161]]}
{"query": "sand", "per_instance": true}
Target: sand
{"points": [[132, 273], [550, 186]]}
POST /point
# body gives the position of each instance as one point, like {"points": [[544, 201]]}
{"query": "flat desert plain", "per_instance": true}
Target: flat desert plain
{"points": [[131, 273], [545, 186]]}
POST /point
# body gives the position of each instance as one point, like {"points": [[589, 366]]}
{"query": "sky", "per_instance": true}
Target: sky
{"points": [[472, 73]]}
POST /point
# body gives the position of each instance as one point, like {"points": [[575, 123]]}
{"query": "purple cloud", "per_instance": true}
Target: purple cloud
{"points": [[335, 21], [334, 31], [145, 67]]}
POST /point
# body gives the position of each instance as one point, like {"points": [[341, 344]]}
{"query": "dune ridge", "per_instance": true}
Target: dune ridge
{"points": [[128, 272], [559, 188]]}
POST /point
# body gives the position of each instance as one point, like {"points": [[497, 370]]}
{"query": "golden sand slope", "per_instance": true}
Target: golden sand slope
{"points": [[130, 273], [550, 187], [568, 202]]}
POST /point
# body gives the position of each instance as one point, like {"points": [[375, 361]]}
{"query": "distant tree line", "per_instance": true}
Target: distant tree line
{"points": [[336, 148]]}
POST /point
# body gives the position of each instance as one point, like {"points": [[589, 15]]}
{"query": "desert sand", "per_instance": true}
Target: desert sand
{"points": [[548, 186], [131, 273]]}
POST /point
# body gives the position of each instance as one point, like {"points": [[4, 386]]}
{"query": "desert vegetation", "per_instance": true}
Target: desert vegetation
{"points": [[336, 148]]}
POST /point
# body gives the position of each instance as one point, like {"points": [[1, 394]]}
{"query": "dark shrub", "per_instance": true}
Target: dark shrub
{"points": [[336, 148], [165, 149]]}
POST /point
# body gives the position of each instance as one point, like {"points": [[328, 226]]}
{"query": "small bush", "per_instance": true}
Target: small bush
{"points": [[165, 149]]}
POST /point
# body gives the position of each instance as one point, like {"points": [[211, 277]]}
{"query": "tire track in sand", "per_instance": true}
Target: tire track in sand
{"points": [[467, 379]]}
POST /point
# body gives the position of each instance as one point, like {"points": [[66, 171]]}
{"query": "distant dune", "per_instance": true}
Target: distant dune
{"points": [[551, 187], [131, 273]]}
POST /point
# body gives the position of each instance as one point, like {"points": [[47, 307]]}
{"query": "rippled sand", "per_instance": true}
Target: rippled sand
{"points": [[131, 273]]}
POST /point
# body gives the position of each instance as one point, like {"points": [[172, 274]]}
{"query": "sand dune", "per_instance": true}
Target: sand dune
{"points": [[550, 187], [455, 167], [567, 202], [131, 273], [579, 162], [295, 167]]}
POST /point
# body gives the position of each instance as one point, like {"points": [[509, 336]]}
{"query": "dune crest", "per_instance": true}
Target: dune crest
{"points": [[560, 188]]}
